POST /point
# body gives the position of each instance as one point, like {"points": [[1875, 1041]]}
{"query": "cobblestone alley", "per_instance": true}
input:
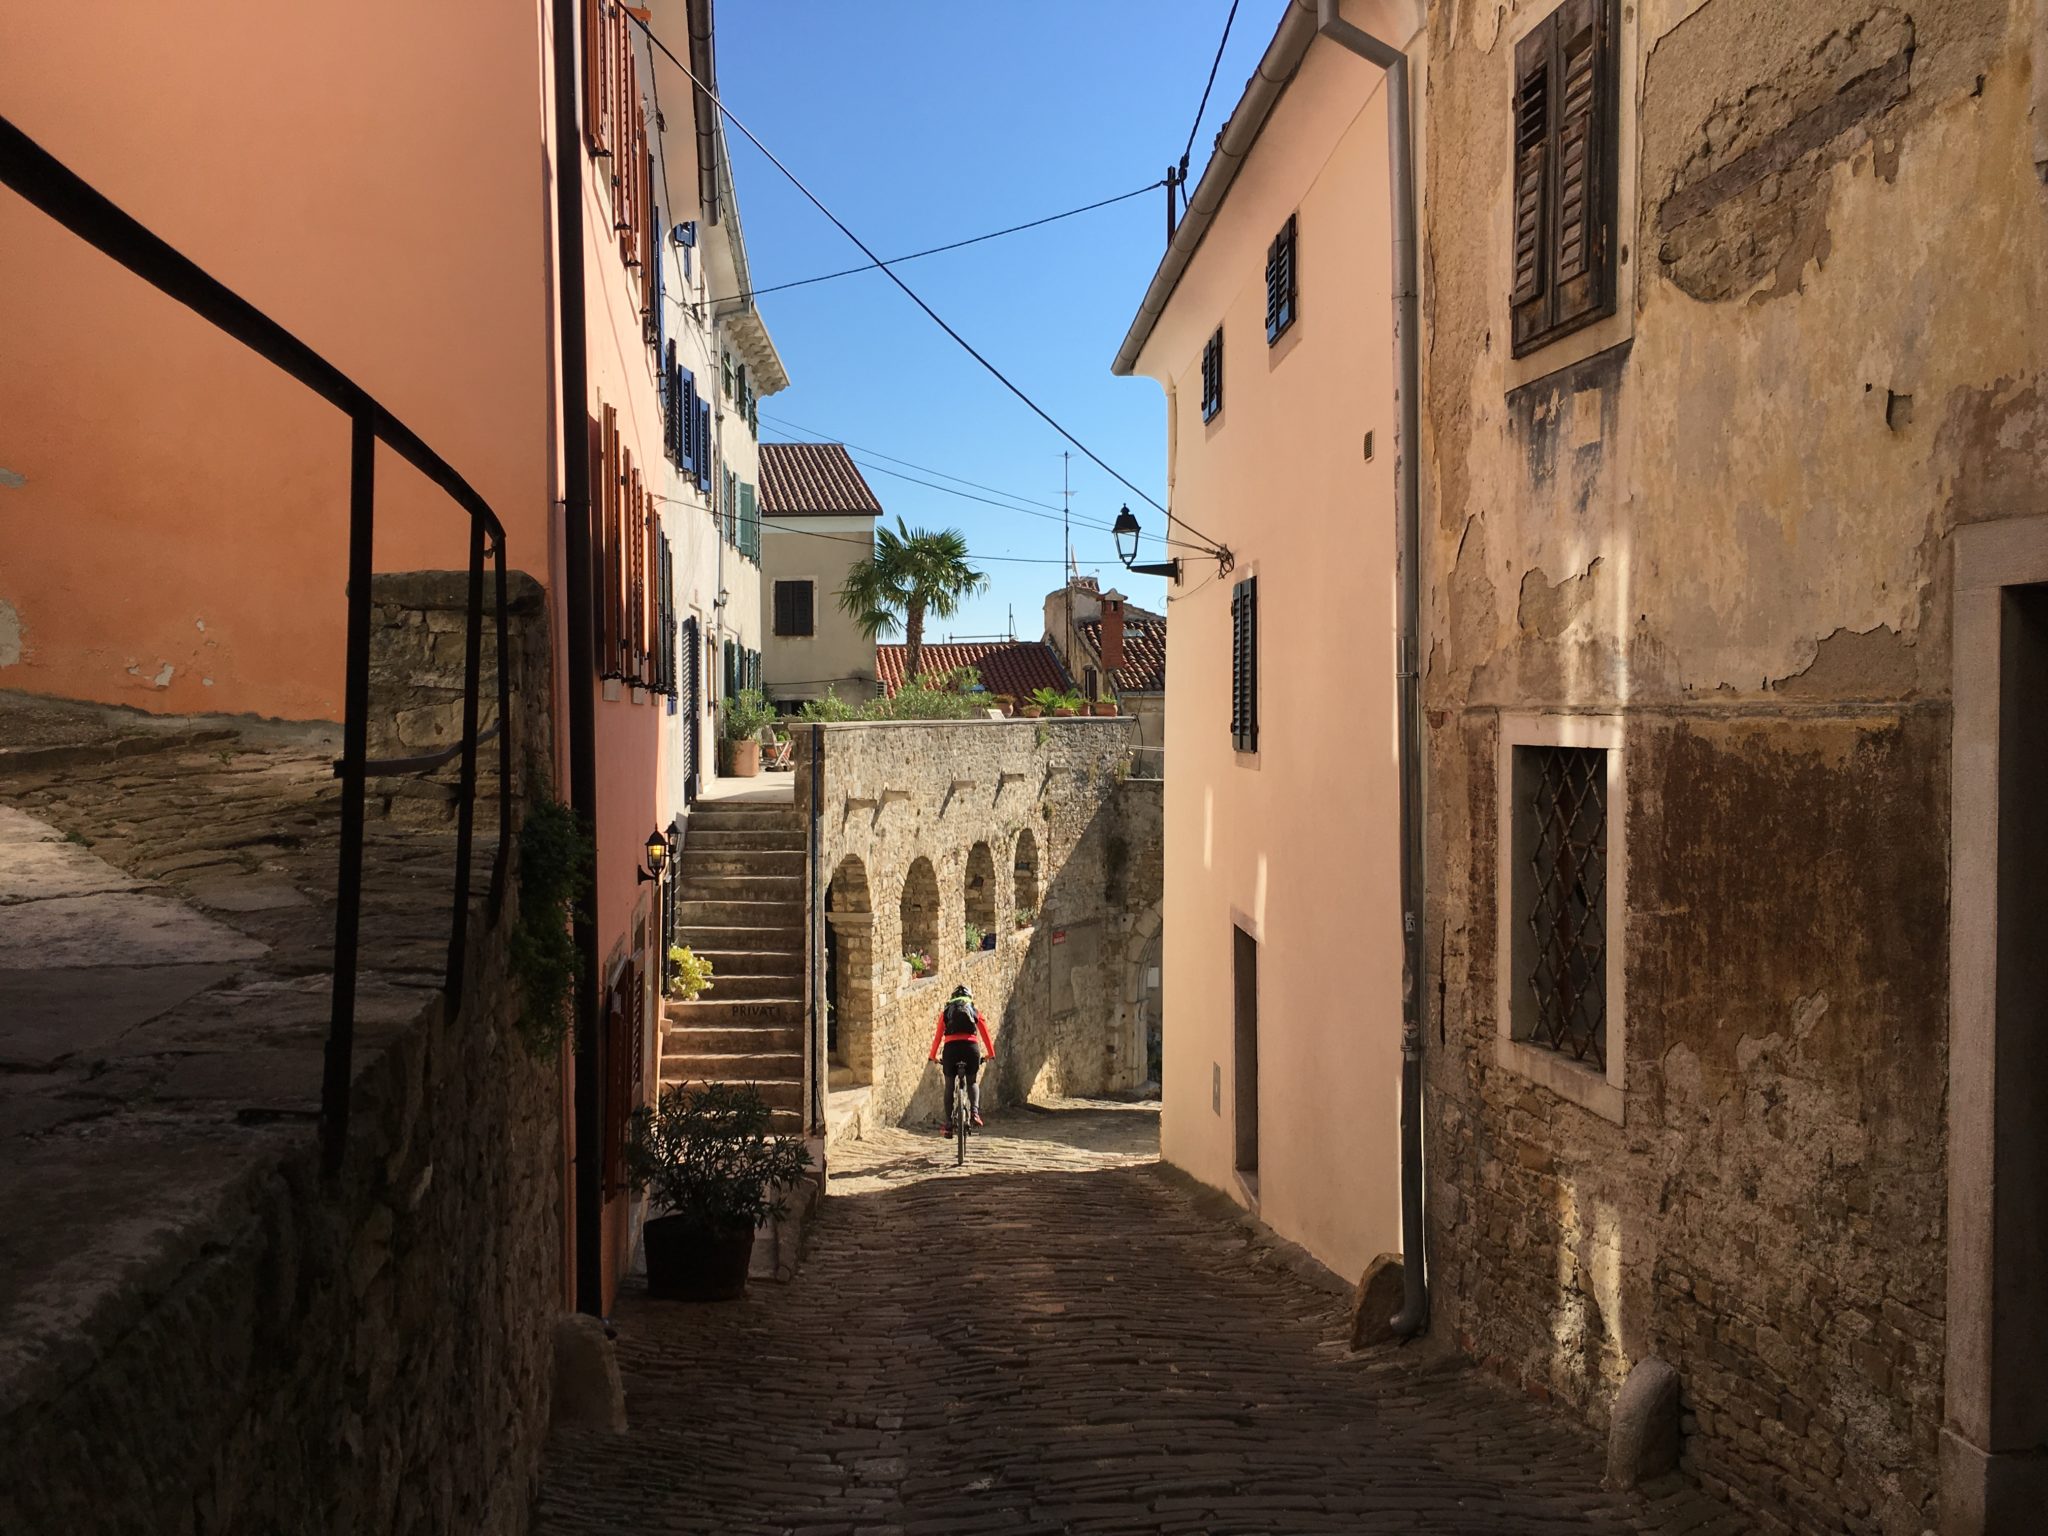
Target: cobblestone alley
{"points": [[1062, 1340]]}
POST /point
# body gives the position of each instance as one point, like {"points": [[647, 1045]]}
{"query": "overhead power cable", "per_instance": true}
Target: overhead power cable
{"points": [[773, 525], [911, 293], [1196, 126], [994, 234], [816, 436]]}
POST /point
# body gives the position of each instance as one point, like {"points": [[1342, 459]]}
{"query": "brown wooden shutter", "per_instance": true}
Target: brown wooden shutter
{"points": [[1244, 665], [1532, 140], [1280, 284], [596, 36], [1585, 80], [608, 552]]}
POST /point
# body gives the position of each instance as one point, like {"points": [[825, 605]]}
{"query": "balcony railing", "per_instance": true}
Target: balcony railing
{"points": [[50, 186]]}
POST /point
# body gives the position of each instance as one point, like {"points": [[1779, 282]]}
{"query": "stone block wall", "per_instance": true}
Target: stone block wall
{"points": [[279, 1351], [963, 799]]}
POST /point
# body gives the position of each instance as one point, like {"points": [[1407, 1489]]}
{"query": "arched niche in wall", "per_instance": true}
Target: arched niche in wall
{"points": [[920, 910], [1024, 877], [981, 896], [850, 971]]}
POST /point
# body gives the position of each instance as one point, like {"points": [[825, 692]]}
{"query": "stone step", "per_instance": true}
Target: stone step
{"points": [[785, 961], [709, 1011], [743, 861], [742, 938], [747, 840], [734, 1040], [787, 890], [786, 1094], [732, 1067], [740, 986], [743, 818]]}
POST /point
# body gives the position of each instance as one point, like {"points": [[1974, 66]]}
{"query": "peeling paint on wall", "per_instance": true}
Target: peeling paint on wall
{"points": [[10, 634]]}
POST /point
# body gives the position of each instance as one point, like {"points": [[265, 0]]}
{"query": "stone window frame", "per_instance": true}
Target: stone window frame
{"points": [[1618, 328], [1601, 1093]]}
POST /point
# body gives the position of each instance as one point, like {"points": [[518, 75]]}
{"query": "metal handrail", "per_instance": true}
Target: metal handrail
{"points": [[49, 185]]}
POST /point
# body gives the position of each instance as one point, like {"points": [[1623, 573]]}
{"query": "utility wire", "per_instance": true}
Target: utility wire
{"points": [[771, 525], [660, 142], [866, 250], [996, 234], [1196, 126], [802, 431]]}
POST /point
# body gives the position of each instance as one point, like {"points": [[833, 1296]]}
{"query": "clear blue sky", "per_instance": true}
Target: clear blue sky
{"points": [[919, 122]]}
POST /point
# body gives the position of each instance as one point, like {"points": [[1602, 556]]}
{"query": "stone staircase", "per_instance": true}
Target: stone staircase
{"points": [[741, 906]]}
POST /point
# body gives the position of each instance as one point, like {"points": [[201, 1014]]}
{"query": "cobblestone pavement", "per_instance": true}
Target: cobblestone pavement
{"points": [[1063, 1338]]}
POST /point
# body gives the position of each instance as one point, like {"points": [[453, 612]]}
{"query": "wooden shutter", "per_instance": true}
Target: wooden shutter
{"points": [[1565, 114], [1244, 665], [1280, 282], [1212, 375], [625, 1048], [703, 444], [596, 52]]}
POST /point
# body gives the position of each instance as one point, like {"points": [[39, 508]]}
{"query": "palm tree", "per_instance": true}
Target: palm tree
{"points": [[912, 573]]}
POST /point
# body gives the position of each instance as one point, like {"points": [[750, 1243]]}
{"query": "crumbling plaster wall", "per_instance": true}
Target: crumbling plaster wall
{"points": [[1730, 528]]}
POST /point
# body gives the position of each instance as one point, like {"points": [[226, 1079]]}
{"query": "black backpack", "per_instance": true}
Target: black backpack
{"points": [[960, 1016]]}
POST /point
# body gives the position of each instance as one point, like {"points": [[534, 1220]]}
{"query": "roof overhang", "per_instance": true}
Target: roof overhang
{"points": [[739, 315], [1283, 57]]}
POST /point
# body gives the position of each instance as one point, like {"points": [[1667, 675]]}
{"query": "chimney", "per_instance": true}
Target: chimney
{"points": [[1112, 633]]}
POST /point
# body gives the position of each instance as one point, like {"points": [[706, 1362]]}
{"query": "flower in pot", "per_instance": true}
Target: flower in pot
{"points": [[704, 1156], [919, 962], [1026, 916], [688, 973], [740, 719]]}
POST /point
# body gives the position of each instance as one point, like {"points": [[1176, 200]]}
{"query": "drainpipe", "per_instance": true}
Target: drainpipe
{"points": [[582, 663], [1414, 1313]]}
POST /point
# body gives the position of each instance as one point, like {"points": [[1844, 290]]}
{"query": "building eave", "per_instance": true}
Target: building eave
{"points": [[1241, 131]]}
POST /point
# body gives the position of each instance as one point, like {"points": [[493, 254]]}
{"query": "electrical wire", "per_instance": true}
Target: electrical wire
{"points": [[994, 234], [814, 435], [1196, 126], [660, 139], [936, 318], [772, 526]]}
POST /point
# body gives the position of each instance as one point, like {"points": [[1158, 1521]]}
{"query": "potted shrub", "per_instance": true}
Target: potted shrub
{"points": [[1008, 701], [1026, 917], [1106, 708], [1030, 711], [740, 719], [704, 1156], [977, 939], [920, 964], [688, 973]]}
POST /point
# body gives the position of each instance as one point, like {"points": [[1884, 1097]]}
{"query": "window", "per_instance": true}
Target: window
{"points": [[747, 525], [662, 675], [1566, 169], [1560, 882], [1212, 376], [627, 560], [1091, 684], [794, 601], [1280, 283], [1244, 665], [725, 362]]}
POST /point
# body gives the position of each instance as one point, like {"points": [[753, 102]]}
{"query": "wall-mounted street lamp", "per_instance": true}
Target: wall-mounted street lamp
{"points": [[657, 857], [1126, 530]]}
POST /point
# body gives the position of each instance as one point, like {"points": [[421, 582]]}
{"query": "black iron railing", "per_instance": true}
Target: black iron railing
{"points": [[47, 184]]}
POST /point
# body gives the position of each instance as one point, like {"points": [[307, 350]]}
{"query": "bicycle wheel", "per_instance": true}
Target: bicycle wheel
{"points": [[963, 1118]]}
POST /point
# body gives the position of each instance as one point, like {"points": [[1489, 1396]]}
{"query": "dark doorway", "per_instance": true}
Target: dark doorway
{"points": [[1245, 1108]]}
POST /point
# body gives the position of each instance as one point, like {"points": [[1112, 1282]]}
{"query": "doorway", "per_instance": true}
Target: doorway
{"points": [[1245, 1075]]}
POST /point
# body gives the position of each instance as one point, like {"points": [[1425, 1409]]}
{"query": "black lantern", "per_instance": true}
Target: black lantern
{"points": [[1126, 531], [657, 856]]}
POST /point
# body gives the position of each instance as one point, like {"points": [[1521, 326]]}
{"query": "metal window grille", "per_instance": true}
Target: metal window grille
{"points": [[1567, 904]]}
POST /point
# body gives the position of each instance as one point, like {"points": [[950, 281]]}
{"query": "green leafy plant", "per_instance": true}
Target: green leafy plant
{"points": [[1054, 698], [1026, 916], [741, 717], [555, 860], [704, 1154], [689, 973], [919, 962], [920, 701], [831, 707], [972, 936]]}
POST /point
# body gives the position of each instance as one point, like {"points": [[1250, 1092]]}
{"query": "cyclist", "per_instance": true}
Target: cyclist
{"points": [[962, 1040]]}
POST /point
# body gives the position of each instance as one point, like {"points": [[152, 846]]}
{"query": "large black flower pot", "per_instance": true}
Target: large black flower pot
{"points": [[687, 1261]]}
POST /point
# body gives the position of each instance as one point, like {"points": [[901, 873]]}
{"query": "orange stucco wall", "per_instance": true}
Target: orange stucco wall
{"points": [[1298, 843], [373, 175]]}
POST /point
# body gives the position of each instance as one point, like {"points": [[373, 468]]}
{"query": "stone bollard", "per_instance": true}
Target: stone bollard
{"points": [[1378, 1299], [1642, 1438], [589, 1393]]}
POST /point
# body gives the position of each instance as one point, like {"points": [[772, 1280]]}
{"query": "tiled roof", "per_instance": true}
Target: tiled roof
{"points": [[798, 478], [1015, 667], [1144, 668]]}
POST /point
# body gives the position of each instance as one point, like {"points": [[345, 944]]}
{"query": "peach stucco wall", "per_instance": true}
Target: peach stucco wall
{"points": [[1298, 843], [375, 176]]}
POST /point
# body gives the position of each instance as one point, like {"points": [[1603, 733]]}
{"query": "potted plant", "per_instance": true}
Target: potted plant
{"points": [[1106, 708], [740, 720], [688, 973], [1026, 917], [1030, 711], [920, 964], [704, 1156], [1008, 701], [976, 939]]}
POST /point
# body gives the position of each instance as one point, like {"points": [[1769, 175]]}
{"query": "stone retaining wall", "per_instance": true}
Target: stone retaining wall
{"points": [[940, 806]]}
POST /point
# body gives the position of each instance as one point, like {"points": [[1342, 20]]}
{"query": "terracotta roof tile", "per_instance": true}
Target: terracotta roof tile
{"points": [[1144, 668], [800, 478], [1015, 667]]}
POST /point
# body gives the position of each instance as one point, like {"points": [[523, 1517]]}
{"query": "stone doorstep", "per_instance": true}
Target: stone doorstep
{"points": [[848, 1114]]}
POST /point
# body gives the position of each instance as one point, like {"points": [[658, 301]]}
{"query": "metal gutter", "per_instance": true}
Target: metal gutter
{"points": [[1282, 58]]}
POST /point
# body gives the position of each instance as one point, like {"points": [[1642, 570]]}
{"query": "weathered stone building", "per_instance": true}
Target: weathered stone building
{"points": [[1031, 831], [1733, 339]]}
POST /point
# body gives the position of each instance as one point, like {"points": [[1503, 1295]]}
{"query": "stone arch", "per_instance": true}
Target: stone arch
{"points": [[981, 894], [1024, 875], [850, 971], [919, 909]]}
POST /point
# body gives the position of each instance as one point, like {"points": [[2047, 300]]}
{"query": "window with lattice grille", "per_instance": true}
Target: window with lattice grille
{"points": [[1561, 900]]}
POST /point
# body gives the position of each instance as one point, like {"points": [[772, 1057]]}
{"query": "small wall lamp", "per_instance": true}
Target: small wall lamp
{"points": [[657, 857], [1126, 530]]}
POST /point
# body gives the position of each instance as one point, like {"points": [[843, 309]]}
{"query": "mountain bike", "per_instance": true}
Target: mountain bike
{"points": [[963, 1113]]}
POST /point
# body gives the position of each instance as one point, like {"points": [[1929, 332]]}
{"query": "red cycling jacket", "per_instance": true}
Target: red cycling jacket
{"points": [[940, 1038]]}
